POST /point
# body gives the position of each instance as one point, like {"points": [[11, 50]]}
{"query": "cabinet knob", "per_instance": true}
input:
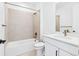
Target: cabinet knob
{"points": [[56, 52]]}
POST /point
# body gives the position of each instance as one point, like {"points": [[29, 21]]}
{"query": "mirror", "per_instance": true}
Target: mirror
{"points": [[67, 16]]}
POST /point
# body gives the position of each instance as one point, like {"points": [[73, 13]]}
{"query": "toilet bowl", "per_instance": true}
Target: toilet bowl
{"points": [[39, 46]]}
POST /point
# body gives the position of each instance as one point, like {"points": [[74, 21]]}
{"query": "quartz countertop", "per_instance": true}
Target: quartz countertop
{"points": [[67, 39]]}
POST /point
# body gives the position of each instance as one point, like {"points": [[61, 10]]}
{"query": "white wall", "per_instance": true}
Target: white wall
{"points": [[47, 18]]}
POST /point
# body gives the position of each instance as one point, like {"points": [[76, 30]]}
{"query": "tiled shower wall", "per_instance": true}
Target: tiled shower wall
{"points": [[19, 25]]}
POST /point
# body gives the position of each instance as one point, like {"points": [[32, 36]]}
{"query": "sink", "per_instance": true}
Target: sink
{"points": [[62, 37], [69, 37]]}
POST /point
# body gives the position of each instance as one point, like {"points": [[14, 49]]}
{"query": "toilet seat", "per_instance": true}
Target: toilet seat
{"points": [[39, 44], [39, 47]]}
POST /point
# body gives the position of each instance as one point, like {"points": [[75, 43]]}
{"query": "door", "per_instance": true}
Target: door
{"points": [[50, 50], [2, 28], [63, 53]]}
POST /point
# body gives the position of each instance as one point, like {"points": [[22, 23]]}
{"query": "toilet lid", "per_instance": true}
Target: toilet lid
{"points": [[39, 44]]}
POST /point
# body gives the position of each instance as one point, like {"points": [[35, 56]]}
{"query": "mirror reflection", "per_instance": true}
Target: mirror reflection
{"points": [[67, 17]]}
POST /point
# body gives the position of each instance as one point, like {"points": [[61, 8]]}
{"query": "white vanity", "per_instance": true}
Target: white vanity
{"points": [[59, 45]]}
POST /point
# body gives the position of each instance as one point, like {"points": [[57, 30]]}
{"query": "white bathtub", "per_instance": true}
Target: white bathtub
{"points": [[18, 47]]}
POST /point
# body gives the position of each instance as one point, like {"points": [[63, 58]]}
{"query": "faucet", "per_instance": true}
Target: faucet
{"points": [[65, 32]]}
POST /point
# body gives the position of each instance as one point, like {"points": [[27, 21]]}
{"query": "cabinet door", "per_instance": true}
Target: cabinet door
{"points": [[2, 21], [2, 28], [50, 50], [1, 49], [63, 53]]}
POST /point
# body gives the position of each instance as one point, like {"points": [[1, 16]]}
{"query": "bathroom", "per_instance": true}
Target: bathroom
{"points": [[21, 28], [39, 29]]}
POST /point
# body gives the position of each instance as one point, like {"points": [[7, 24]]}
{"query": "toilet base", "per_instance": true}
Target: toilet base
{"points": [[39, 47], [39, 52]]}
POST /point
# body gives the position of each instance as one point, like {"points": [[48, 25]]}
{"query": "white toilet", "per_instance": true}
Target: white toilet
{"points": [[39, 46]]}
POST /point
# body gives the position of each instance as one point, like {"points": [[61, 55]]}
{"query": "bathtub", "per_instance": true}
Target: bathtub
{"points": [[18, 47]]}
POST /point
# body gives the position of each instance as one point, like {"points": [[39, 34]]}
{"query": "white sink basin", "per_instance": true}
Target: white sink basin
{"points": [[66, 37]]}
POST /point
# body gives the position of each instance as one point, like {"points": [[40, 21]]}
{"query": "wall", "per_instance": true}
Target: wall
{"points": [[47, 18], [19, 24]]}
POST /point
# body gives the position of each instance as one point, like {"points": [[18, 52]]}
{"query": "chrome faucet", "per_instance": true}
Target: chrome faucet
{"points": [[65, 32]]}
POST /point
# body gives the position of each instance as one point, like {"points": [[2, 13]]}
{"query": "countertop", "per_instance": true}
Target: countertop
{"points": [[67, 39]]}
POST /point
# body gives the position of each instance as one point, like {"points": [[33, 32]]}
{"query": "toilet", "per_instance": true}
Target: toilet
{"points": [[39, 47]]}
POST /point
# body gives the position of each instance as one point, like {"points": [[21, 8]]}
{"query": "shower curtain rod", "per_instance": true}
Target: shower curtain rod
{"points": [[21, 6]]}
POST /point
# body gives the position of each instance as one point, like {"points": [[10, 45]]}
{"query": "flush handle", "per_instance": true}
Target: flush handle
{"points": [[56, 52]]}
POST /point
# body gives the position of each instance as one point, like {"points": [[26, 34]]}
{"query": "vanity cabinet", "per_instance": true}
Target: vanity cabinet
{"points": [[50, 50], [55, 47]]}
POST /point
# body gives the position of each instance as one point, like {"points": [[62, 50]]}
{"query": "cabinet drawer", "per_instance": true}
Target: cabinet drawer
{"points": [[62, 45]]}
